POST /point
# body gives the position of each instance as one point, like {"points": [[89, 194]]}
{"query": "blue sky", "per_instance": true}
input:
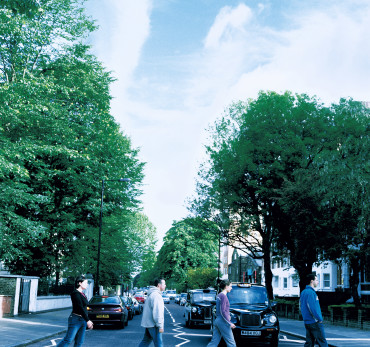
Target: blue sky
{"points": [[180, 63]]}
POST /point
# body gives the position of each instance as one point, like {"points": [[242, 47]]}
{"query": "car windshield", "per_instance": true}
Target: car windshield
{"points": [[165, 296], [252, 295], [183, 295], [105, 300], [171, 291], [204, 296]]}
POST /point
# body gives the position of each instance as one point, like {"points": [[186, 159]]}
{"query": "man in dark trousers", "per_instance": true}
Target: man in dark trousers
{"points": [[311, 313]]}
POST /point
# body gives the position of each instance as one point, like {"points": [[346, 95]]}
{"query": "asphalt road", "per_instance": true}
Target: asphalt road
{"points": [[175, 334]]}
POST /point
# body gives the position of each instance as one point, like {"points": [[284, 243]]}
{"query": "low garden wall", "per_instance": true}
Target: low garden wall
{"points": [[342, 315], [46, 303]]}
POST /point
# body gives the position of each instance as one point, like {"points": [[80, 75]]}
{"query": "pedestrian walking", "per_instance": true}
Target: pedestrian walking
{"points": [[78, 319], [311, 313], [153, 315], [222, 327]]}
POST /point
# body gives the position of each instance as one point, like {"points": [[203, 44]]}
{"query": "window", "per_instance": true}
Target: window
{"points": [[275, 281], [295, 282], [285, 283], [326, 280]]}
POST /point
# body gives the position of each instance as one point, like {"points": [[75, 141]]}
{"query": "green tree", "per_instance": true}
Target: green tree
{"points": [[201, 278], [58, 139], [263, 172], [186, 245]]}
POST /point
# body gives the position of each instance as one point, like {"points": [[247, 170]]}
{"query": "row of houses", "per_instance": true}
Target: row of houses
{"points": [[237, 266]]}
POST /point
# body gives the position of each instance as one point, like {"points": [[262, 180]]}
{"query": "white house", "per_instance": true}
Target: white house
{"points": [[286, 281]]}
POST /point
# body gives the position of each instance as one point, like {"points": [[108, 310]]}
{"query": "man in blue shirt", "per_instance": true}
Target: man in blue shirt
{"points": [[311, 313]]}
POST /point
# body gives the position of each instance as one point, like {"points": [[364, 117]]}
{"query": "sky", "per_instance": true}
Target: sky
{"points": [[180, 63]]}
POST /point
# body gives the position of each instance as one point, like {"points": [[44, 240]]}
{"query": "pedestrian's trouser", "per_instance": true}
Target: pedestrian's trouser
{"points": [[76, 331], [316, 332], [222, 329], [152, 334]]}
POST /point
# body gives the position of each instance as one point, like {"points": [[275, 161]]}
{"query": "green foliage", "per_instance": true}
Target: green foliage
{"points": [[201, 278], [187, 245], [285, 170], [57, 142]]}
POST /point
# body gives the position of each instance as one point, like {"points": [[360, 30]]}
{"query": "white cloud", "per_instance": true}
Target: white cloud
{"points": [[124, 27], [228, 22], [324, 52], [326, 55]]}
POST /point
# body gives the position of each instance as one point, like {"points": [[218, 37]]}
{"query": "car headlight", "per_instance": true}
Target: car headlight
{"points": [[194, 309], [233, 317], [270, 319]]}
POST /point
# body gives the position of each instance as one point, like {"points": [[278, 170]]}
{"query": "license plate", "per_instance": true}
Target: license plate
{"points": [[102, 316], [207, 322], [250, 333]]}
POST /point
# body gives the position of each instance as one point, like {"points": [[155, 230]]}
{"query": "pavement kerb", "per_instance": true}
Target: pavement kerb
{"points": [[40, 339], [300, 336]]}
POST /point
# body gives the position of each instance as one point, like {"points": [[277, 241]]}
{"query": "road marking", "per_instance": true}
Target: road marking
{"points": [[173, 319], [285, 338], [178, 330], [347, 339], [180, 333], [53, 342]]}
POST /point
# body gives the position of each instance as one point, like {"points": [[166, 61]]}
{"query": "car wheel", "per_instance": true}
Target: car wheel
{"points": [[126, 323], [122, 325]]}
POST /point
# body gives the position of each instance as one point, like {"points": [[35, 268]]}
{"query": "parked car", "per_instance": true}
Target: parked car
{"points": [[140, 297], [171, 293], [166, 299], [137, 306], [177, 299], [198, 307], [183, 297], [252, 313], [103, 309], [129, 305]]}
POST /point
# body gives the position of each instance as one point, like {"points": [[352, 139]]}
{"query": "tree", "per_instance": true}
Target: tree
{"points": [[262, 177], [58, 139], [201, 278], [186, 246]]}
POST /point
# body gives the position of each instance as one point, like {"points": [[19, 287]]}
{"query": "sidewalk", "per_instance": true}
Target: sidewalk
{"points": [[337, 336], [30, 328]]}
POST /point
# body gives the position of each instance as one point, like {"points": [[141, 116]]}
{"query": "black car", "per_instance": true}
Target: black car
{"points": [[253, 315], [199, 307], [103, 309], [129, 305]]}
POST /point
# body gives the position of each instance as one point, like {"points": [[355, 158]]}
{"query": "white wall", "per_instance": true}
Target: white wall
{"points": [[327, 270], [33, 294], [45, 303]]}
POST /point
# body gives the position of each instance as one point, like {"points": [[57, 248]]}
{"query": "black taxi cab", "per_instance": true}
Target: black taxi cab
{"points": [[252, 313], [199, 307]]}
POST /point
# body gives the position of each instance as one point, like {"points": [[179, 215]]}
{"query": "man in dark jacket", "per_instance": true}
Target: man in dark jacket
{"points": [[311, 313]]}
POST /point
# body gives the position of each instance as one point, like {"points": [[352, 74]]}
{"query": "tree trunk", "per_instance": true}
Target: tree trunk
{"points": [[354, 281], [268, 272], [303, 270], [57, 276]]}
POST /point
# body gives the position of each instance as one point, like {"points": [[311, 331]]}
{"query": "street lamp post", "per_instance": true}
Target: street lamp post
{"points": [[100, 227]]}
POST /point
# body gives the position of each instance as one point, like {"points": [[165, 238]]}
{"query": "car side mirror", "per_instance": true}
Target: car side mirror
{"points": [[273, 304]]}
